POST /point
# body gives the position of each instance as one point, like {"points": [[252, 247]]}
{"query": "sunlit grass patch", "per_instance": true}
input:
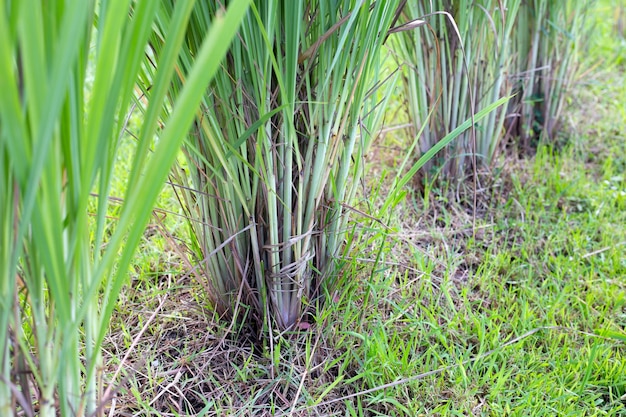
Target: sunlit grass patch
{"points": [[550, 266]]}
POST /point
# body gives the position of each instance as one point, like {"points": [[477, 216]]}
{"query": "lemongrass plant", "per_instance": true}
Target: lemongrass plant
{"points": [[456, 66], [60, 273], [276, 153], [548, 34]]}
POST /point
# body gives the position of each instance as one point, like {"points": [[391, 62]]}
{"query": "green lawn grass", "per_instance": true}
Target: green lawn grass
{"points": [[516, 311]]}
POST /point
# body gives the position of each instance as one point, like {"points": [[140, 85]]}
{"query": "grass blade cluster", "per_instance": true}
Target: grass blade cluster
{"points": [[468, 56], [453, 71], [276, 150], [62, 266], [547, 37]]}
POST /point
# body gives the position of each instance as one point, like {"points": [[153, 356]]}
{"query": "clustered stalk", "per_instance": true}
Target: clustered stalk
{"points": [[277, 147], [60, 272], [453, 71], [548, 36], [470, 54]]}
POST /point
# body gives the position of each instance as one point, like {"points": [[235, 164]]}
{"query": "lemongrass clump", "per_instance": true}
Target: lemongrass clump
{"points": [[60, 272], [276, 151], [548, 34], [455, 65]]}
